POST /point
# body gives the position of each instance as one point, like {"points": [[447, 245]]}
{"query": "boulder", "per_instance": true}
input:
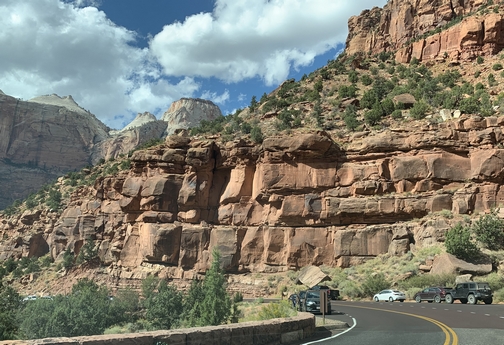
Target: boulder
{"points": [[449, 264]]}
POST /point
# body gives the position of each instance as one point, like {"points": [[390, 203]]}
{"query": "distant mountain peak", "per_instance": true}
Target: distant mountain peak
{"points": [[140, 120], [65, 101]]}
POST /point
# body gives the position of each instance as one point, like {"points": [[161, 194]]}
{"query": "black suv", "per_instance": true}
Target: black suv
{"points": [[470, 292], [431, 294], [311, 302]]}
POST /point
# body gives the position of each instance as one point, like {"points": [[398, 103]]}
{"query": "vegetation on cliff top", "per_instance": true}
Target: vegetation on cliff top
{"points": [[354, 93]]}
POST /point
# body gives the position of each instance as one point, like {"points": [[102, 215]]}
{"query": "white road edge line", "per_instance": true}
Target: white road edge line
{"points": [[334, 336]]}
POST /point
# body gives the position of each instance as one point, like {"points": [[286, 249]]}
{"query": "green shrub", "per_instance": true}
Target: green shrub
{"points": [[350, 289], [68, 259], [459, 242], [256, 135], [10, 265], [388, 106], [253, 104], [497, 67], [276, 310], [494, 279], [350, 118], [345, 91], [85, 311], [46, 260], [373, 117], [374, 283], [489, 230], [87, 253], [9, 324], [480, 60], [353, 77], [125, 164], [396, 114], [491, 80], [422, 281], [419, 110], [366, 80], [368, 99], [469, 105], [164, 307]]}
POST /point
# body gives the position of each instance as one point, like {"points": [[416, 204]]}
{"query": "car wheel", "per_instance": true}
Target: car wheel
{"points": [[449, 299], [376, 299], [390, 299], [418, 299], [471, 299], [488, 301], [463, 300], [401, 300], [437, 299]]}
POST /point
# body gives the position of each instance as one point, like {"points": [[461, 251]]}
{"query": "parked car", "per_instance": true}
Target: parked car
{"points": [[431, 294], [30, 298], [390, 296], [335, 295], [470, 292], [311, 302], [331, 293]]}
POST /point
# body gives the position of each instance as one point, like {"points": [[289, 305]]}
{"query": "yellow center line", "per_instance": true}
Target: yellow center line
{"points": [[449, 333]]}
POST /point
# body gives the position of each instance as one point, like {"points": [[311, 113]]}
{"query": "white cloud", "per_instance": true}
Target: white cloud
{"points": [[214, 97], [71, 47], [242, 39], [49, 46]]}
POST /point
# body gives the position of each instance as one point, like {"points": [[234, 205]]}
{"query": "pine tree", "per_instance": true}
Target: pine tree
{"points": [[216, 306]]}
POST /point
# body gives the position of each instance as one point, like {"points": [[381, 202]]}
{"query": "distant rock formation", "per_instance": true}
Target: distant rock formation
{"points": [[40, 141], [188, 112], [140, 120], [66, 102], [47, 136], [428, 30]]}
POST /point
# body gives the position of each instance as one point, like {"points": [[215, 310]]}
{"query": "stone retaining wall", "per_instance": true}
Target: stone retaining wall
{"points": [[270, 332]]}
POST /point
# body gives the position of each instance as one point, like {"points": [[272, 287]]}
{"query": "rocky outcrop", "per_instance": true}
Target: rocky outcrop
{"points": [[140, 120], [426, 30], [449, 264], [291, 202], [188, 112], [47, 136], [127, 140], [40, 141]]}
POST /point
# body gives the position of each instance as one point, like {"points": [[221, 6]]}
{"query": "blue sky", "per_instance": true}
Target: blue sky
{"points": [[118, 58]]}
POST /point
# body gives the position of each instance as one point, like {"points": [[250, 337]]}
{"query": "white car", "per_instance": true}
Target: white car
{"points": [[390, 296]]}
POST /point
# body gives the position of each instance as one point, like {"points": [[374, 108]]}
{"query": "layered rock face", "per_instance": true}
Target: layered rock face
{"points": [[40, 141], [400, 25], [188, 112], [291, 202], [48, 136]]}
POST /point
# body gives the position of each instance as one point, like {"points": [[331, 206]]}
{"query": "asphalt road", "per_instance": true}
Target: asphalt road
{"points": [[412, 323]]}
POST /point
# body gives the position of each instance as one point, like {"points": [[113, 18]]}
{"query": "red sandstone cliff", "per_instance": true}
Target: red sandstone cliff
{"points": [[400, 26], [285, 204]]}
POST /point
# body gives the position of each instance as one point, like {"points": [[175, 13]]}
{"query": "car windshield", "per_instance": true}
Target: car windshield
{"points": [[312, 295], [483, 286]]}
